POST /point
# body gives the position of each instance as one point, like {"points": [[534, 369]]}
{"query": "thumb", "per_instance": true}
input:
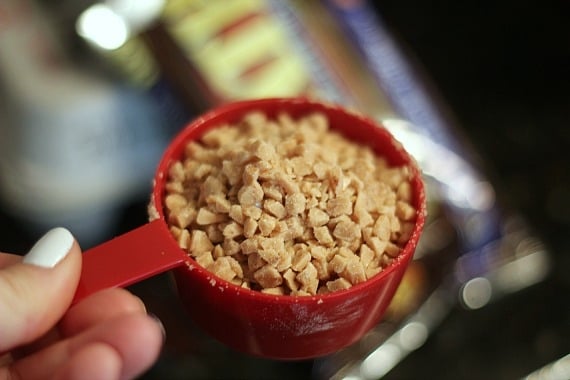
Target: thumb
{"points": [[36, 292]]}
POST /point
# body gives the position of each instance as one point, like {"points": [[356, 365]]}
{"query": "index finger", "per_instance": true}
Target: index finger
{"points": [[98, 307]]}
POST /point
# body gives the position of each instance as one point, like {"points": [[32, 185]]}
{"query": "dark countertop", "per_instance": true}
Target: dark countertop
{"points": [[503, 69]]}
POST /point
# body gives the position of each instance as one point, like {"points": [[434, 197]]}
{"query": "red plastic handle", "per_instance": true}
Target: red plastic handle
{"points": [[129, 258]]}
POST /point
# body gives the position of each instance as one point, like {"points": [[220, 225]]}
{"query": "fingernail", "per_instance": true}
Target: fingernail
{"points": [[159, 323], [50, 249]]}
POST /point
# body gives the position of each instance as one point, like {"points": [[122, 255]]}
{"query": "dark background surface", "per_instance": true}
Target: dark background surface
{"points": [[503, 69]]}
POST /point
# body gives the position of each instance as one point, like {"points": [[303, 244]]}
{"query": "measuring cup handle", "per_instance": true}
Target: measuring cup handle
{"points": [[129, 258]]}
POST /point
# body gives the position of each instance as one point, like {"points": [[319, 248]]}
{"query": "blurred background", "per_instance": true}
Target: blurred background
{"points": [[91, 92]]}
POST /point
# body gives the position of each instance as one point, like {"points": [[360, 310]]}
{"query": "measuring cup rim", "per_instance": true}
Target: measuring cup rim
{"points": [[237, 109]]}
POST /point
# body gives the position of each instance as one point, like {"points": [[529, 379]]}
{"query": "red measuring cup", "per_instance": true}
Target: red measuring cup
{"points": [[278, 327]]}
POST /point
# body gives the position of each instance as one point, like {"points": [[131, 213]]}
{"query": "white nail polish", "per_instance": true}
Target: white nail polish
{"points": [[50, 249]]}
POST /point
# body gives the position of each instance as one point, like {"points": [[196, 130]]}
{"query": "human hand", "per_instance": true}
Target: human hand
{"points": [[106, 336]]}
